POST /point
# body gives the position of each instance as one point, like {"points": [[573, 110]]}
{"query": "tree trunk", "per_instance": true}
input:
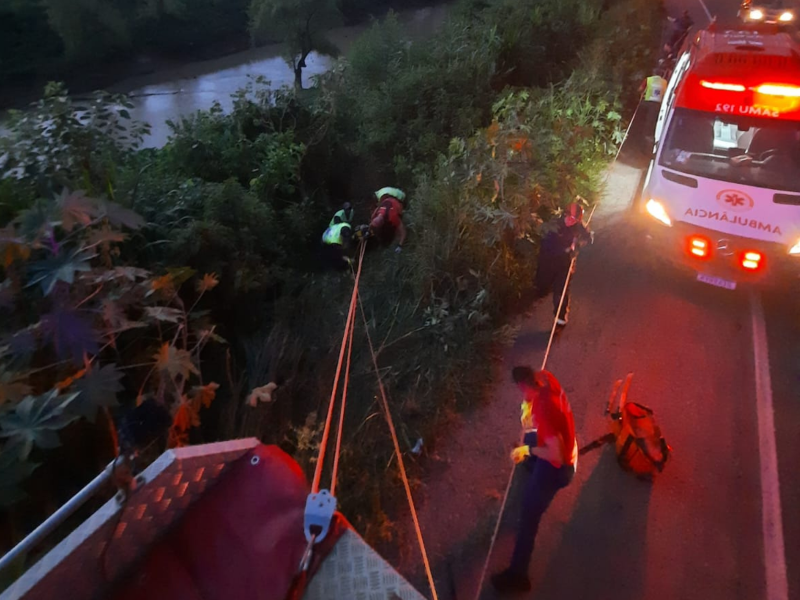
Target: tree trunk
{"points": [[298, 69]]}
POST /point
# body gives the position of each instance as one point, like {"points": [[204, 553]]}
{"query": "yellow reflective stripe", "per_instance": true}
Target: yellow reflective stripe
{"points": [[342, 214], [390, 191], [655, 88], [526, 418], [333, 234]]}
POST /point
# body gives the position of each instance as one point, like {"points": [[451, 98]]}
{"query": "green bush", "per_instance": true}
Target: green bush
{"points": [[58, 143], [228, 193], [405, 101], [213, 146]]}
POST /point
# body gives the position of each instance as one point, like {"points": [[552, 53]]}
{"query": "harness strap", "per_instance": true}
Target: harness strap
{"points": [[624, 451], [658, 464], [601, 441]]}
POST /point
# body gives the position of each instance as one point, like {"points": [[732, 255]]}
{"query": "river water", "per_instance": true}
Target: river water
{"points": [[170, 94]]}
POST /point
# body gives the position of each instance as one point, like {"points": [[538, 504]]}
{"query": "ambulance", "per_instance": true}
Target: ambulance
{"points": [[722, 194]]}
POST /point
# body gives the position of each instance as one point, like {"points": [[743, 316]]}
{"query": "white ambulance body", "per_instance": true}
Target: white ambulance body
{"points": [[722, 194]]}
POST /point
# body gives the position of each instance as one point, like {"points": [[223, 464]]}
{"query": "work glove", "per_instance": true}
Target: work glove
{"points": [[520, 453], [398, 250]]}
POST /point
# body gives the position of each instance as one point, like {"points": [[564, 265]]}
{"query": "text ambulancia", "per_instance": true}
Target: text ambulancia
{"points": [[722, 193]]}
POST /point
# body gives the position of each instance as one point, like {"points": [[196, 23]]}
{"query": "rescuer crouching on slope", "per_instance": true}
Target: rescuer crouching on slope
{"points": [[561, 240], [344, 214], [336, 244], [386, 223], [550, 453]]}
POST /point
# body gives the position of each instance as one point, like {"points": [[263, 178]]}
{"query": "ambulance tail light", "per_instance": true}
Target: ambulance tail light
{"points": [[656, 210], [752, 260], [726, 87], [699, 246], [773, 89]]}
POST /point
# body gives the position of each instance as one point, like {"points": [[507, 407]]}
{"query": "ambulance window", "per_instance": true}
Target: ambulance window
{"points": [[757, 151], [669, 96]]}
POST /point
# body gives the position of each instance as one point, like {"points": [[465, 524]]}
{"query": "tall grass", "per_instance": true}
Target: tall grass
{"points": [[486, 164]]}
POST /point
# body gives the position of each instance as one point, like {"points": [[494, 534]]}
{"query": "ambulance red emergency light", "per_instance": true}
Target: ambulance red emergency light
{"points": [[722, 194]]}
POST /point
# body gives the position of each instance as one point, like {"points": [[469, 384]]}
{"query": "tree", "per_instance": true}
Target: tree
{"points": [[88, 28], [300, 24]]}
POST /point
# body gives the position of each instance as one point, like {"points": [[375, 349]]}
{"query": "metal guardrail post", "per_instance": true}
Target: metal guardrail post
{"points": [[58, 517]]}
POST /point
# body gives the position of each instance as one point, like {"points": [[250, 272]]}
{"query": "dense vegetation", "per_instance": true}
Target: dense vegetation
{"points": [[186, 276]]}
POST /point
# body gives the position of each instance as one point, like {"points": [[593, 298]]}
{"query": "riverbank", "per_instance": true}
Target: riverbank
{"points": [[179, 89], [145, 68]]}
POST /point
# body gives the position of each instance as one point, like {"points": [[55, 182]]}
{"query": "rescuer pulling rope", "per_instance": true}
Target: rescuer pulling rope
{"points": [[561, 240], [549, 452]]}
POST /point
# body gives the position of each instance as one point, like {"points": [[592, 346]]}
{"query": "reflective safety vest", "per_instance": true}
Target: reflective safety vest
{"points": [[333, 234], [656, 86], [526, 417], [390, 191], [345, 216]]}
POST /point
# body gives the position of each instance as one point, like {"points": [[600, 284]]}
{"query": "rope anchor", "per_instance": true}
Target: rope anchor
{"points": [[320, 508]]}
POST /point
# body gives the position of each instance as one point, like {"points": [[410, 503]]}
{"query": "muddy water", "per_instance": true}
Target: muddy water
{"points": [[196, 86]]}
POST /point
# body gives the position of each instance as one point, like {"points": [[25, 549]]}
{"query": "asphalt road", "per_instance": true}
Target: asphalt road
{"points": [[721, 369], [698, 531]]}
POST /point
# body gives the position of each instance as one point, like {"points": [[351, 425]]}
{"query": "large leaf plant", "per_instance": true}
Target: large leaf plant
{"points": [[82, 332]]}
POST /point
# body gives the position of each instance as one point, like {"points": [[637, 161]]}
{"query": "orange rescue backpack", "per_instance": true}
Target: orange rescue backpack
{"points": [[641, 449]]}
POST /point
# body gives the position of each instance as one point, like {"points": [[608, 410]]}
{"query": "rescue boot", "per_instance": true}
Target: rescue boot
{"points": [[511, 582], [563, 318]]}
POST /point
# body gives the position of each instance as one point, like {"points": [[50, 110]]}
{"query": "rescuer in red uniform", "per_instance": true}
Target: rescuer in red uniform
{"points": [[386, 223], [550, 451]]}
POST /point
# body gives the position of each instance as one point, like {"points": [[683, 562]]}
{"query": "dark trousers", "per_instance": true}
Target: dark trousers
{"points": [[650, 112], [551, 276], [332, 257], [383, 236], [542, 482]]}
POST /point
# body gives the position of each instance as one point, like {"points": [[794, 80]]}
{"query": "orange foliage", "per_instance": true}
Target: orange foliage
{"points": [[208, 282], [187, 413], [204, 395], [163, 283], [174, 361]]}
